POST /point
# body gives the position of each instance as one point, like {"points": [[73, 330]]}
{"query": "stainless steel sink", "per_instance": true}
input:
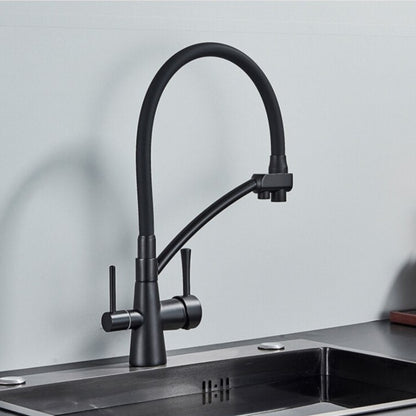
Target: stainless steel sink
{"points": [[306, 378]]}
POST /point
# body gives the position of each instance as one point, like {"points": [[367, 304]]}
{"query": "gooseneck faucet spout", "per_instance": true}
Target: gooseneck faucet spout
{"points": [[151, 100], [150, 317]]}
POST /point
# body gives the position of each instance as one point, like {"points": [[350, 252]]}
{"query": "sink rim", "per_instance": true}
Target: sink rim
{"points": [[199, 357]]}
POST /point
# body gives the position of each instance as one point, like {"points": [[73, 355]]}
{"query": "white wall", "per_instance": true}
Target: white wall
{"points": [[72, 78]]}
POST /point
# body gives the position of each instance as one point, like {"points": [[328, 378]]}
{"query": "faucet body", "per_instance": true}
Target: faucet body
{"points": [[149, 316]]}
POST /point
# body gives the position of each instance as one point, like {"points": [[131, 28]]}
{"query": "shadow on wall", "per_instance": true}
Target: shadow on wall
{"points": [[66, 165], [154, 56], [224, 142], [84, 159], [78, 160], [402, 294]]}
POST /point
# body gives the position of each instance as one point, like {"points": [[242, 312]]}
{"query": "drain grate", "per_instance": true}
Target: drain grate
{"points": [[216, 385], [216, 390]]}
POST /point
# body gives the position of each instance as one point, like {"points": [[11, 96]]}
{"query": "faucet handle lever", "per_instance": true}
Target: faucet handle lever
{"points": [[182, 311], [115, 320], [186, 270], [112, 276]]}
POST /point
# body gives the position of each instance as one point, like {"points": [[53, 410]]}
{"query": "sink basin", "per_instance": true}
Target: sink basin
{"points": [[306, 378]]}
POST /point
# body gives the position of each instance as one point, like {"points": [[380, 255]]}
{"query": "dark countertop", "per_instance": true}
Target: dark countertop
{"points": [[396, 341]]}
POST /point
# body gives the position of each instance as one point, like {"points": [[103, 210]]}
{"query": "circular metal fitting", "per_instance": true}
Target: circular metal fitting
{"points": [[12, 381], [271, 346]]}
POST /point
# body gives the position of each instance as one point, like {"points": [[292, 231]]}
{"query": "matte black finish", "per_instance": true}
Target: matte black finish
{"points": [[186, 270], [173, 314], [151, 100], [264, 185], [118, 320], [112, 273], [121, 320], [193, 311], [203, 218], [147, 346]]}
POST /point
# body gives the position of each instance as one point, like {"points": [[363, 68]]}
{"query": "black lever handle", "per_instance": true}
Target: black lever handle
{"points": [[186, 270], [115, 320], [112, 275]]}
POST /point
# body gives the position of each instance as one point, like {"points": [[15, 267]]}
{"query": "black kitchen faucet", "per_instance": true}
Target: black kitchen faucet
{"points": [[150, 316]]}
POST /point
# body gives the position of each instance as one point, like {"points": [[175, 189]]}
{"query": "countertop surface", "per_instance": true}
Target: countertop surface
{"points": [[393, 340]]}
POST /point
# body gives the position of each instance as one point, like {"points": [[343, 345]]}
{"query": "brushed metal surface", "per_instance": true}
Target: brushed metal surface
{"points": [[308, 378]]}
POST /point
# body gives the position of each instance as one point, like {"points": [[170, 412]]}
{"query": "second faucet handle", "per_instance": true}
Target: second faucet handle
{"points": [[112, 275], [186, 270], [182, 311]]}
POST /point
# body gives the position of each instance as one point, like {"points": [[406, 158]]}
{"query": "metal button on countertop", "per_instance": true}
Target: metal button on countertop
{"points": [[271, 346], [12, 381]]}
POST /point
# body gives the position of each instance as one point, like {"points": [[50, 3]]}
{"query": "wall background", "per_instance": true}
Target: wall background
{"points": [[72, 78]]}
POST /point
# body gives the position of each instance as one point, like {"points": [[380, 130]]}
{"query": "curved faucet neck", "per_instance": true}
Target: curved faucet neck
{"points": [[150, 317], [151, 100]]}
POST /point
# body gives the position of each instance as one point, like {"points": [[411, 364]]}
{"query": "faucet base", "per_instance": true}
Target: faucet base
{"points": [[147, 346]]}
